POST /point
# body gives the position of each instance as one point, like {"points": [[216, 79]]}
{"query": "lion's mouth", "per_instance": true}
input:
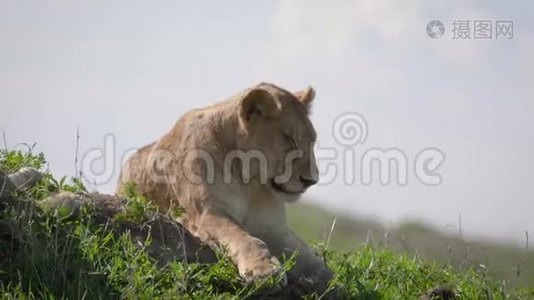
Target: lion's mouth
{"points": [[280, 188]]}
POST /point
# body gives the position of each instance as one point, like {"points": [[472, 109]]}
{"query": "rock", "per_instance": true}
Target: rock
{"points": [[6, 186], [442, 293], [26, 178], [67, 203], [23, 179]]}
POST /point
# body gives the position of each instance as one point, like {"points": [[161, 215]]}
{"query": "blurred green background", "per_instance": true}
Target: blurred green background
{"points": [[498, 260]]}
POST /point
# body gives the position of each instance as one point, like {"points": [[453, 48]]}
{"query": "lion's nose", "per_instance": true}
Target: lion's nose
{"points": [[308, 181]]}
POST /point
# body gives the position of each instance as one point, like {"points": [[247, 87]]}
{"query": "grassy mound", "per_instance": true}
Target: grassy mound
{"points": [[48, 254]]}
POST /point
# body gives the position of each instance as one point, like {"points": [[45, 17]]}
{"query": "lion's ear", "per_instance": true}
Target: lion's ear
{"points": [[306, 96], [258, 103]]}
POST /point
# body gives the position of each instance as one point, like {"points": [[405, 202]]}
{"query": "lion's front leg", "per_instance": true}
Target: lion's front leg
{"points": [[251, 255]]}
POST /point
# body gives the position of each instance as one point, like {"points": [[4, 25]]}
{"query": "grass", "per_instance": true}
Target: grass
{"points": [[44, 255]]}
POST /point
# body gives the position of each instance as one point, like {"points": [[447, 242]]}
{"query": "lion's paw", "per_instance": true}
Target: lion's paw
{"points": [[255, 270]]}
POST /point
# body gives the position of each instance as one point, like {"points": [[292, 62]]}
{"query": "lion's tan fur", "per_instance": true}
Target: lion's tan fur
{"points": [[245, 214]]}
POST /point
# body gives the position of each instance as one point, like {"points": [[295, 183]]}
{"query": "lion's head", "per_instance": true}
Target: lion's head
{"points": [[275, 122]]}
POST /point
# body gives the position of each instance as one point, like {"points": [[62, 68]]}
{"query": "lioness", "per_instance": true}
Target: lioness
{"points": [[232, 167]]}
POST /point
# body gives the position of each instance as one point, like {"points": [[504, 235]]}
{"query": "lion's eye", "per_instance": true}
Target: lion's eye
{"points": [[292, 143]]}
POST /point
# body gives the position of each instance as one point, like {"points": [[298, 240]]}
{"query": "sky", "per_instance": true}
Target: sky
{"points": [[121, 73]]}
